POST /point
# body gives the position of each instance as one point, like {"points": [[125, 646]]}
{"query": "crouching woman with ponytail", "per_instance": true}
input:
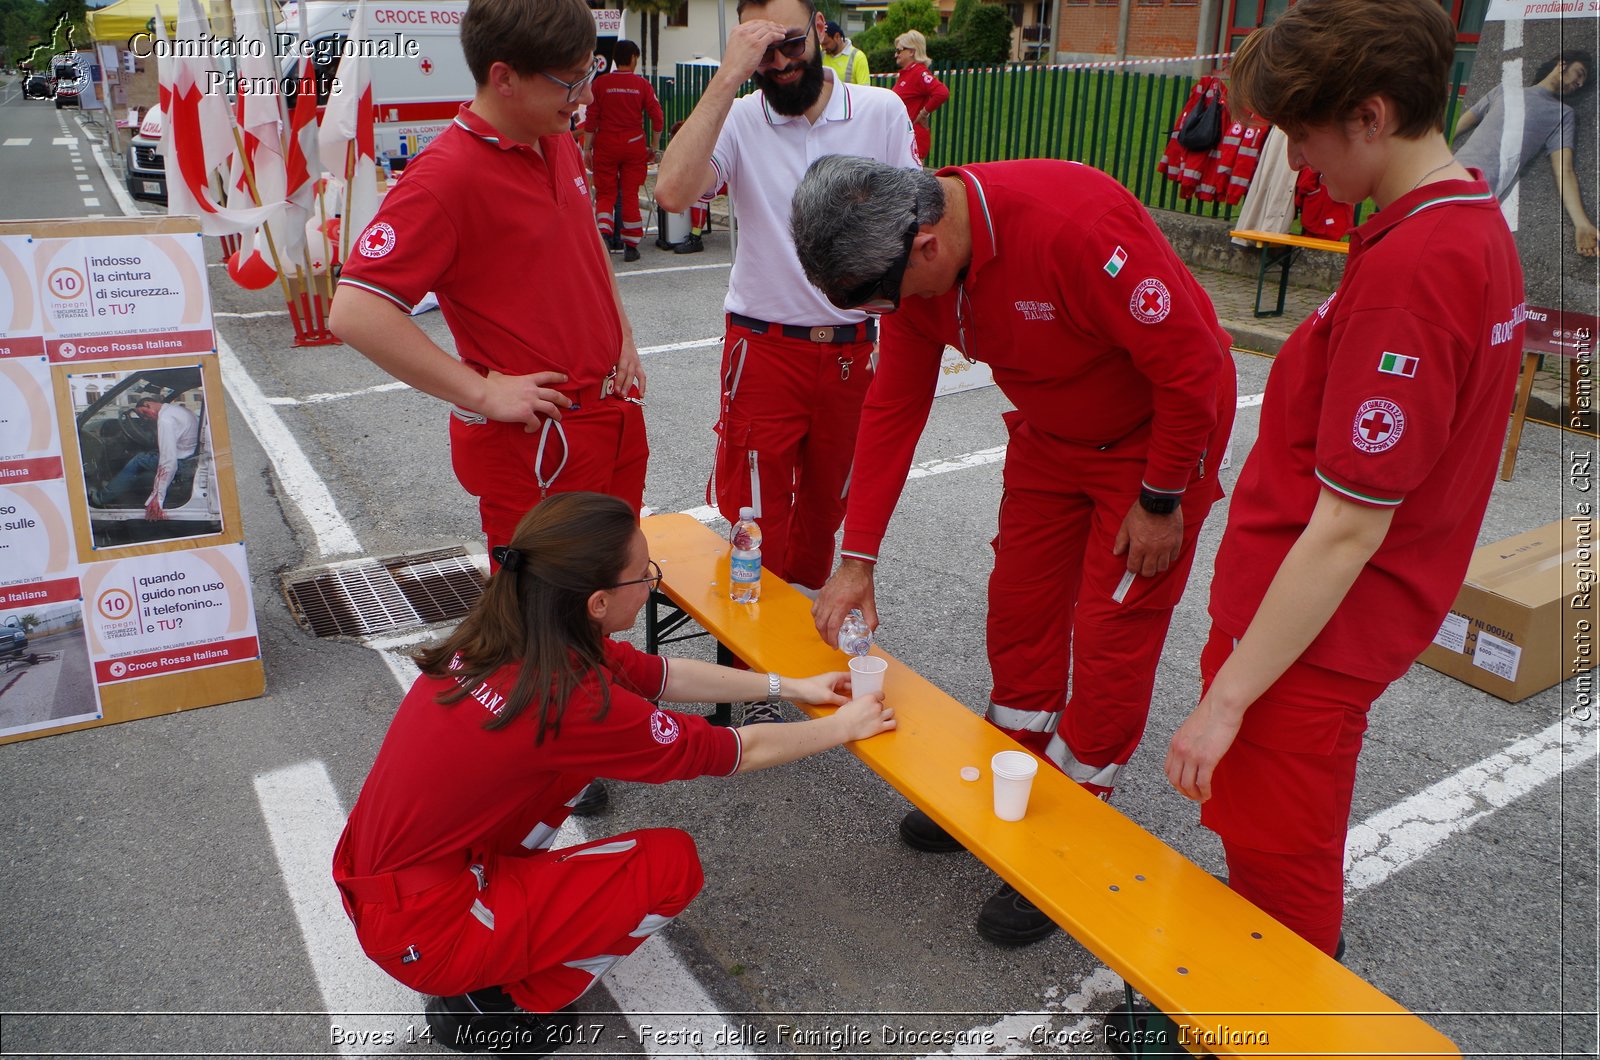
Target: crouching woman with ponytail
{"points": [[446, 866]]}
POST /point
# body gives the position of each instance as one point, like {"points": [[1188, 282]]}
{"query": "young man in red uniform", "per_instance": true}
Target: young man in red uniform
{"points": [[495, 218], [617, 149], [447, 866], [1053, 275], [1356, 514]]}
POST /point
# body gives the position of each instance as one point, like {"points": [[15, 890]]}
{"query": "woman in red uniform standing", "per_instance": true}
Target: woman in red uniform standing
{"points": [[446, 866], [1358, 509], [916, 86]]}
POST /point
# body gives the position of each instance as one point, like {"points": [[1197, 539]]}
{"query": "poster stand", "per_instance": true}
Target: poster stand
{"points": [[124, 588]]}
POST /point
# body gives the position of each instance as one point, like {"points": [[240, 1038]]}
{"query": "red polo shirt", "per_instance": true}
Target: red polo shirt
{"points": [[1090, 323], [506, 239], [443, 783], [1393, 394]]}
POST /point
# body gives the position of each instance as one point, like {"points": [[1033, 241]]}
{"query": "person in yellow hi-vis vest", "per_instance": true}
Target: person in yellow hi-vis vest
{"points": [[848, 61]]}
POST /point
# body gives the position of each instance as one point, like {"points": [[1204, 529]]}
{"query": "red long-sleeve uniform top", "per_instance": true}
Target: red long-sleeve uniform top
{"points": [[1088, 320], [920, 90], [622, 100]]}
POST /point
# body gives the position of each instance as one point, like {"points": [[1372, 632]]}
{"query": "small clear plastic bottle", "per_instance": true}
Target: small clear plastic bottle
{"points": [[854, 636], [745, 567]]}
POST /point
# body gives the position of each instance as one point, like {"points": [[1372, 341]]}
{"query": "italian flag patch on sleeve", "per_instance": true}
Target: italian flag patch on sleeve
{"points": [[1114, 263], [1398, 364]]}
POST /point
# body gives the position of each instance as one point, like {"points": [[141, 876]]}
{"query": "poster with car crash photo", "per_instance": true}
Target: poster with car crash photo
{"points": [[1529, 121], [146, 460], [119, 514]]}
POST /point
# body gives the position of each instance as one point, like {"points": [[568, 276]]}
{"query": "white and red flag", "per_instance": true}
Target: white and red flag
{"points": [[345, 139], [257, 112], [197, 133]]}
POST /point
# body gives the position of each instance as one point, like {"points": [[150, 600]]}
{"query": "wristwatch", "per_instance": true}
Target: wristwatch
{"points": [[1159, 503], [774, 688]]}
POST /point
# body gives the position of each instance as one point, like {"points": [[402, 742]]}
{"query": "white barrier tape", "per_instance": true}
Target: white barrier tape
{"points": [[1112, 64]]}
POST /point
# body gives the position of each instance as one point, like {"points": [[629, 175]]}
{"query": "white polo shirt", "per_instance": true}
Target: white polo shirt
{"points": [[762, 155]]}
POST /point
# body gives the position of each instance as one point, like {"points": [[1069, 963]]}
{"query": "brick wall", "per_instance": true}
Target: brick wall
{"points": [[1156, 28]]}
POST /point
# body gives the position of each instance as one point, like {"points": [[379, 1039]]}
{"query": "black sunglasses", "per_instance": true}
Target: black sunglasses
{"points": [[654, 580], [791, 47], [883, 294]]}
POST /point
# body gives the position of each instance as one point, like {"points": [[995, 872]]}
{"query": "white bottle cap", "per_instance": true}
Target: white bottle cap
{"points": [[746, 514]]}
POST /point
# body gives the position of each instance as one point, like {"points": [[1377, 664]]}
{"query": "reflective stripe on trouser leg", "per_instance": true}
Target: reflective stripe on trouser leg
{"points": [[600, 964], [1087, 775]]}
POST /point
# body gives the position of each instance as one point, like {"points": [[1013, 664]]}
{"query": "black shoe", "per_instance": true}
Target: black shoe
{"points": [[489, 1021], [1155, 1034], [762, 712], [692, 245], [594, 801], [662, 243], [1008, 919], [918, 831], [631, 253]]}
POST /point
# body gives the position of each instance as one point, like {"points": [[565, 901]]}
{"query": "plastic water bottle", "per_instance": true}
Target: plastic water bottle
{"points": [[854, 636], [745, 587]]}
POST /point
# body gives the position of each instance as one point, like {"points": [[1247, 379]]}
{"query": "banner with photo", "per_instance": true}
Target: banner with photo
{"points": [[124, 586], [1529, 121]]}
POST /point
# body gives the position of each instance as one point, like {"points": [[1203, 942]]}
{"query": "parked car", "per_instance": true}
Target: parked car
{"points": [[38, 86], [70, 82], [147, 170], [13, 640]]}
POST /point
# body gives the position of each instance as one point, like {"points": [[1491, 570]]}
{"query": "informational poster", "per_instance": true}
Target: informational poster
{"points": [[115, 297], [1529, 124], [21, 325], [124, 586]]}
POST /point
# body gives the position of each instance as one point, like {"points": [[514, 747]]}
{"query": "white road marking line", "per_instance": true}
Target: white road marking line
{"points": [[669, 347], [257, 315], [1015, 1035], [318, 399], [957, 463], [673, 268], [91, 202], [63, 141], [304, 820], [1249, 401], [85, 187], [120, 194], [19, 141], [301, 485], [1405, 833]]}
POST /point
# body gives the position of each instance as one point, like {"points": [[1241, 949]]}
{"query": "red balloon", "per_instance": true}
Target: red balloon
{"points": [[255, 273]]}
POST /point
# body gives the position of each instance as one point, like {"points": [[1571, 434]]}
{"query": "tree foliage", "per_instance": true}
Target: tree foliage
{"points": [[979, 34]]}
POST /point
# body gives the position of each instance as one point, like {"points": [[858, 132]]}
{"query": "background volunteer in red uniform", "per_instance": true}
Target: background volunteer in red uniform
{"points": [[616, 147], [446, 866], [1053, 275], [794, 367], [1355, 516], [494, 216], [918, 89]]}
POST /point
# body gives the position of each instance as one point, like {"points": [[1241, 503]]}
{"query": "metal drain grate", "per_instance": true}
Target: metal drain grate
{"points": [[376, 596]]}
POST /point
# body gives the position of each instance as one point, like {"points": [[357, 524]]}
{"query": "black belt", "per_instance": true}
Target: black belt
{"points": [[866, 331]]}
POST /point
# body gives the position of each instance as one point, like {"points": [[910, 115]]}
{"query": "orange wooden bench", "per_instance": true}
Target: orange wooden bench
{"points": [[1278, 251], [1234, 981]]}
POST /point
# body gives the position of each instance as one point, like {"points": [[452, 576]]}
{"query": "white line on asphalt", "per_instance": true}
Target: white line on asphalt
{"points": [[19, 141], [673, 268], [693, 345], [124, 201], [304, 820], [318, 399], [85, 187], [1249, 401], [91, 202], [63, 141], [1395, 838], [301, 485], [259, 314], [958, 463], [1023, 1034]]}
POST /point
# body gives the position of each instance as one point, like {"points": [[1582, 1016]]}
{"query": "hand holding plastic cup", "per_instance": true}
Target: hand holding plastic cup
{"points": [[1013, 781], [866, 674]]}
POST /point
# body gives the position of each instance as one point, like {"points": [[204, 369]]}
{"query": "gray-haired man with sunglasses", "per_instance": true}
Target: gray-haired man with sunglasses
{"points": [[795, 368], [1053, 275]]}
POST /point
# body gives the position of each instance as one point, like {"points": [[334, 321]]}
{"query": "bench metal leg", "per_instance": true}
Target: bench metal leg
{"points": [[1280, 258], [662, 618], [1147, 1031]]}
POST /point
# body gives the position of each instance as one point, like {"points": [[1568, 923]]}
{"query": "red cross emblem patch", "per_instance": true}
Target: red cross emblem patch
{"points": [[1379, 425], [664, 727], [377, 240], [1150, 303]]}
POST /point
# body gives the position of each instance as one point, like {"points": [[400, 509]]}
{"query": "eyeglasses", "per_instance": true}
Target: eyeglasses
{"points": [[654, 580], [883, 294], [575, 88], [791, 47]]}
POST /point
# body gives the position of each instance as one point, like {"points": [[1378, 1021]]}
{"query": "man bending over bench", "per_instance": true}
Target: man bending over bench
{"points": [[1053, 275]]}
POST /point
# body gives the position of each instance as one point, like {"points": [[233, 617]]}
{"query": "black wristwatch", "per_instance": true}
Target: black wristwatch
{"points": [[1159, 503]]}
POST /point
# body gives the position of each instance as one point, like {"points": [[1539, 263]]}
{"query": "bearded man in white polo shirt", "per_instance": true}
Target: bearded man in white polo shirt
{"points": [[794, 368]]}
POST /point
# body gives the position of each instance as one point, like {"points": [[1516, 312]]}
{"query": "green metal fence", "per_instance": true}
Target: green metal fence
{"points": [[1115, 120]]}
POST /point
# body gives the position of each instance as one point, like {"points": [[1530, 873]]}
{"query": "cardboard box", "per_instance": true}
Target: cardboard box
{"points": [[1524, 620]]}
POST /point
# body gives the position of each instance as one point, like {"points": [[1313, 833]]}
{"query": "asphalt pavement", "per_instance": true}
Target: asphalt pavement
{"points": [[166, 888]]}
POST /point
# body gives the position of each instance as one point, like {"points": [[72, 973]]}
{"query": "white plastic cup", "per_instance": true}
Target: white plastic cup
{"points": [[1013, 781], [866, 674]]}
